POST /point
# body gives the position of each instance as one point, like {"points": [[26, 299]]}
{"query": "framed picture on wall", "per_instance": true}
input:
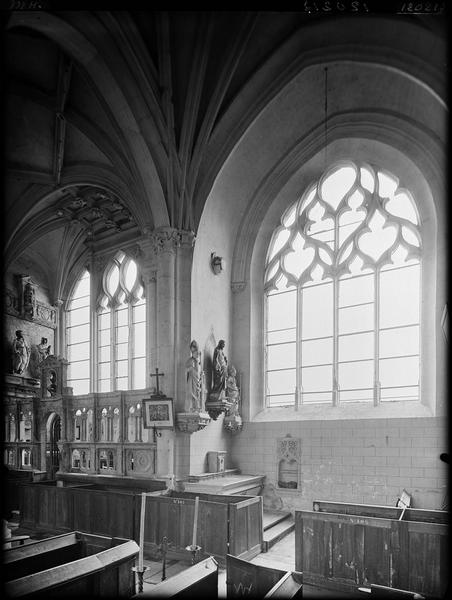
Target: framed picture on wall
{"points": [[158, 412]]}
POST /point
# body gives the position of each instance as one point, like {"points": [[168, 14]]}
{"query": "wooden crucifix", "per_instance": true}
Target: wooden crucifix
{"points": [[157, 375]]}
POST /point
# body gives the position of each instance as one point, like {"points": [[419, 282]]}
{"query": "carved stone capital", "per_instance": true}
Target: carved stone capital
{"points": [[238, 286], [167, 239], [189, 422]]}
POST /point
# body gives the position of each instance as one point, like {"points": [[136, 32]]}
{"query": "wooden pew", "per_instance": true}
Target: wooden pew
{"points": [[226, 525], [360, 545], [71, 564], [197, 581], [386, 512], [244, 578]]}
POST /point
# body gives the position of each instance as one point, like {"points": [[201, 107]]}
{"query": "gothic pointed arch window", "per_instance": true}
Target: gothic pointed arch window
{"points": [[78, 336], [121, 327], [342, 292]]}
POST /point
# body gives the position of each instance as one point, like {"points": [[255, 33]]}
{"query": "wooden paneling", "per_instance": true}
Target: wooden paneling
{"points": [[343, 551], [225, 523], [245, 527]]}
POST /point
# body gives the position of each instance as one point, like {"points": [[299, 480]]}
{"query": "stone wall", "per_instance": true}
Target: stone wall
{"points": [[365, 461]]}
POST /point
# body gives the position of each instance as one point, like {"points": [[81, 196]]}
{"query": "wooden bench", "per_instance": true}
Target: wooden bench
{"points": [[340, 546], [197, 581], [71, 564]]}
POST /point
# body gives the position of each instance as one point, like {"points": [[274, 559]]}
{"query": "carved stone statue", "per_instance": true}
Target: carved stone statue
{"points": [[43, 350], [232, 421], [39, 353], [220, 366], [232, 391], [29, 300], [21, 353], [194, 400]]}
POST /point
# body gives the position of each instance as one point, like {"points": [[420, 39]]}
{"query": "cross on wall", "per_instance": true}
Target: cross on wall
{"points": [[157, 375]]}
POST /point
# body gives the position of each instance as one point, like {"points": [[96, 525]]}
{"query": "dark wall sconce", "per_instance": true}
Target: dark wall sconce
{"points": [[216, 263]]}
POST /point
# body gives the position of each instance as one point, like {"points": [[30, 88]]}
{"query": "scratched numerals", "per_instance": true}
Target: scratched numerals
{"points": [[422, 7], [25, 5], [328, 6]]}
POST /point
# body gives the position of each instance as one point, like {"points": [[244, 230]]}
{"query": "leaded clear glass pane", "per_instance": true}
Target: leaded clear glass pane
{"points": [[317, 379], [286, 335], [281, 382], [356, 318], [357, 346], [399, 371], [399, 290], [281, 310], [356, 375], [316, 352], [139, 373], [78, 351], [317, 311], [281, 356]]}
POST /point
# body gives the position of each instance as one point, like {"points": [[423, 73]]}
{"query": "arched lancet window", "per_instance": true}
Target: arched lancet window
{"points": [[342, 285], [121, 327], [78, 336]]}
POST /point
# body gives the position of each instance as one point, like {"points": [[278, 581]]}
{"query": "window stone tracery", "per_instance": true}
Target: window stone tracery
{"points": [[342, 282]]}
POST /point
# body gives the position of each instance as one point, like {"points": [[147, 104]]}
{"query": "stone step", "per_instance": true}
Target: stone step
{"points": [[273, 517], [206, 476], [227, 485], [277, 532]]}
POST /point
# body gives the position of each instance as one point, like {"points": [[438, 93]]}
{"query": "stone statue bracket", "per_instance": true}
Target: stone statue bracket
{"points": [[190, 422]]}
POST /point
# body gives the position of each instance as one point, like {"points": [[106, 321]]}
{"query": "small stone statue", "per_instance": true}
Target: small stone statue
{"points": [[43, 350], [52, 381], [21, 353], [194, 380], [232, 391], [220, 366], [29, 300]]}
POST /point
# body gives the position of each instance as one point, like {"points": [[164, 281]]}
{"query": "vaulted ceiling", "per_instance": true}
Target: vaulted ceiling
{"points": [[119, 122]]}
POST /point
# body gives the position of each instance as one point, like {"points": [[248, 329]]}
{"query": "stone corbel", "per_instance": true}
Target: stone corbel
{"points": [[218, 403], [190, 422]]}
